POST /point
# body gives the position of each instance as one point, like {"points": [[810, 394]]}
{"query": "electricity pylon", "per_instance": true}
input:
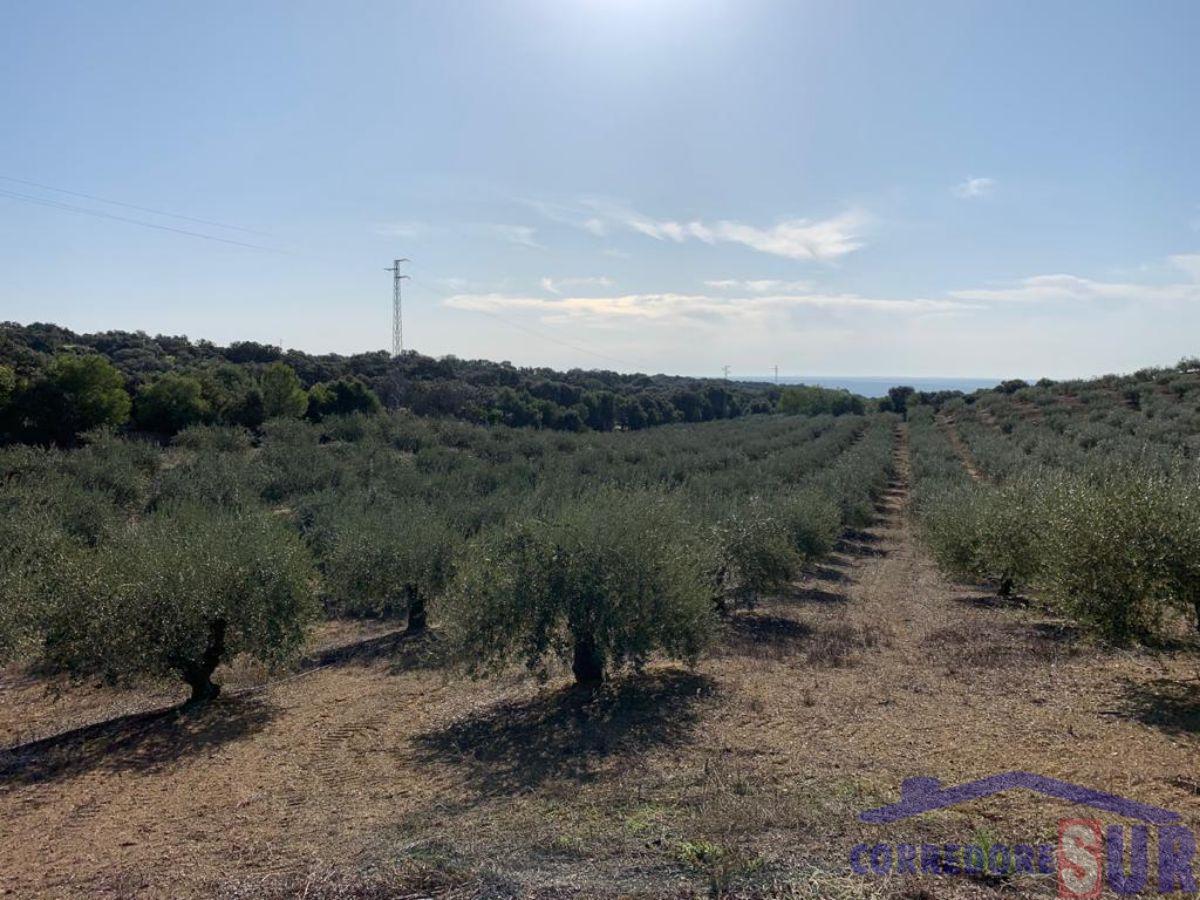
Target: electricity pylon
{"points": [[397, 318]]}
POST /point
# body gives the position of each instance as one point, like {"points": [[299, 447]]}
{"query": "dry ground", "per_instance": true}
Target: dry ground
{"points": [[379, 773]]}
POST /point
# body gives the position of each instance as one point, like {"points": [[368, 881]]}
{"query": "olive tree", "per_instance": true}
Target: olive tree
{"points": [[756, 553], [1124, 552], [179, 593], [387, 557], [603, 581], [32, 545], [988, 533]]}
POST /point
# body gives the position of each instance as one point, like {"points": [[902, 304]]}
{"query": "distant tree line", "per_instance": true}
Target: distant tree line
{"points": [[56, 384]]}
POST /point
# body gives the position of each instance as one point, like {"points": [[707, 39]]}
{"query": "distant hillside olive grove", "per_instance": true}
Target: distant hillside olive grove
{"points": [[55, 385]]}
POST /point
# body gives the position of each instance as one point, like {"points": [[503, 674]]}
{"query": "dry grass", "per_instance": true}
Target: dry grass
{"points": [[379, 773]]}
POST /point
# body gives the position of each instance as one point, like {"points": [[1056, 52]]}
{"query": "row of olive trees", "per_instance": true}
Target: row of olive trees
{"points": [[1119, 552], [1112, 541], [115, 563]]}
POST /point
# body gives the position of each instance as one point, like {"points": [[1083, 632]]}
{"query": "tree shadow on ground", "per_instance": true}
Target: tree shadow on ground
{"points": [[830, 571], [797, 594], [759, 634], [1163, 703], [968, 650], [860, 544], [403, 652], [567, 733], [135, 743], [993, 601]]}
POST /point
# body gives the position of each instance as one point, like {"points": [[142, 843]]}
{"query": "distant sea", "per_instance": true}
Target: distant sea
{"points": [[877, 386]]}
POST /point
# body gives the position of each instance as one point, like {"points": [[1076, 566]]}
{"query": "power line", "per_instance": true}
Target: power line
{"points": [[146, 209], [54, 204]]}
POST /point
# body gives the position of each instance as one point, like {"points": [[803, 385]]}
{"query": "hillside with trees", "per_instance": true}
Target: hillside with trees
{"points": [[55, 384]]}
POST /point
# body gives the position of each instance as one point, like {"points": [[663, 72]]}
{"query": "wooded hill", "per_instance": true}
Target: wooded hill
{"points": [[224, 385]]}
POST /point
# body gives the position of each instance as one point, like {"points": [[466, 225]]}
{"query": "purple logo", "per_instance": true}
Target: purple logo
{"points": [[918, 795], [1087, 854]]}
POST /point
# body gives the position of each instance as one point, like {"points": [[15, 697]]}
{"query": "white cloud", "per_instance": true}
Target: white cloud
{"points": [[522, 235], [1048, 289], [557, 285], [792, 238], [1187, 262], [759, 285], [407, 229], [974, 187], [677, 308]]}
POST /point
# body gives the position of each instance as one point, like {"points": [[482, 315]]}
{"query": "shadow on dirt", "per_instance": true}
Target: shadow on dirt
{"points": [[861, 544], [1172, 706], [812, 595], [966, 650], [992, 601], [136, 743], [830, 572], [403, 652], [567, 733], [760, 634]]}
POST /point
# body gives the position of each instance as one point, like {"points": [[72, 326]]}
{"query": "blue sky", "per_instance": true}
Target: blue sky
{"points": [[928, 188]]}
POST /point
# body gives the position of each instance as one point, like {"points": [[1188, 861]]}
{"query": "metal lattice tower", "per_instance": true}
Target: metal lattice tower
{"points": [[397, 318]]}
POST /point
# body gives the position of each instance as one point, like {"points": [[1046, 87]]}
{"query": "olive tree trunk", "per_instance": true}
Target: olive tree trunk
{"points": [[588, 662], [198, 675], [417, 614]]}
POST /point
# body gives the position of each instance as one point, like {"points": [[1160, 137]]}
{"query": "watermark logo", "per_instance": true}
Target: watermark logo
{"points": [[1087, 856]]}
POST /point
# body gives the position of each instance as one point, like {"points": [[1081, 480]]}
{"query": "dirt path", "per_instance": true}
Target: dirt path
{"points": [[754, 766], [949, 426]]}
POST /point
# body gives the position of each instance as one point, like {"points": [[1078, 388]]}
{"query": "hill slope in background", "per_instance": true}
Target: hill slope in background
{"points": [[475, 390]]}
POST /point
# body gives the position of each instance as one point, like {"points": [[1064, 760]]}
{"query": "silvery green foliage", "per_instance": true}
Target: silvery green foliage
{"points": [[146, 602], [619, 573], [383, 555], [1124, 552]]}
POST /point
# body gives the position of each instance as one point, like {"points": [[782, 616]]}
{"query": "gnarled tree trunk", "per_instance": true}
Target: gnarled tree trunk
{"points": [[417, 614], [199, 675], [588, 662]]}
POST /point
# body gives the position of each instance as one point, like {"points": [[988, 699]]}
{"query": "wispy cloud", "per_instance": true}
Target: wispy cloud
{"points": [[792, 238], [758, 285], [406, 229], [522, 235], [974, 187], [558, 285], [1187, 262], [1058, 289], [697, 308], [824, 239]]}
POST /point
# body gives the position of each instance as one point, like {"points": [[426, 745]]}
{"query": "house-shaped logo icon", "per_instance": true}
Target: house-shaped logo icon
{"points": [[919, 795]]}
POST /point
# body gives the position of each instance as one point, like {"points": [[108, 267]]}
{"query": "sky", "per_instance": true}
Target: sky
{"points": [[988, 189]]}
